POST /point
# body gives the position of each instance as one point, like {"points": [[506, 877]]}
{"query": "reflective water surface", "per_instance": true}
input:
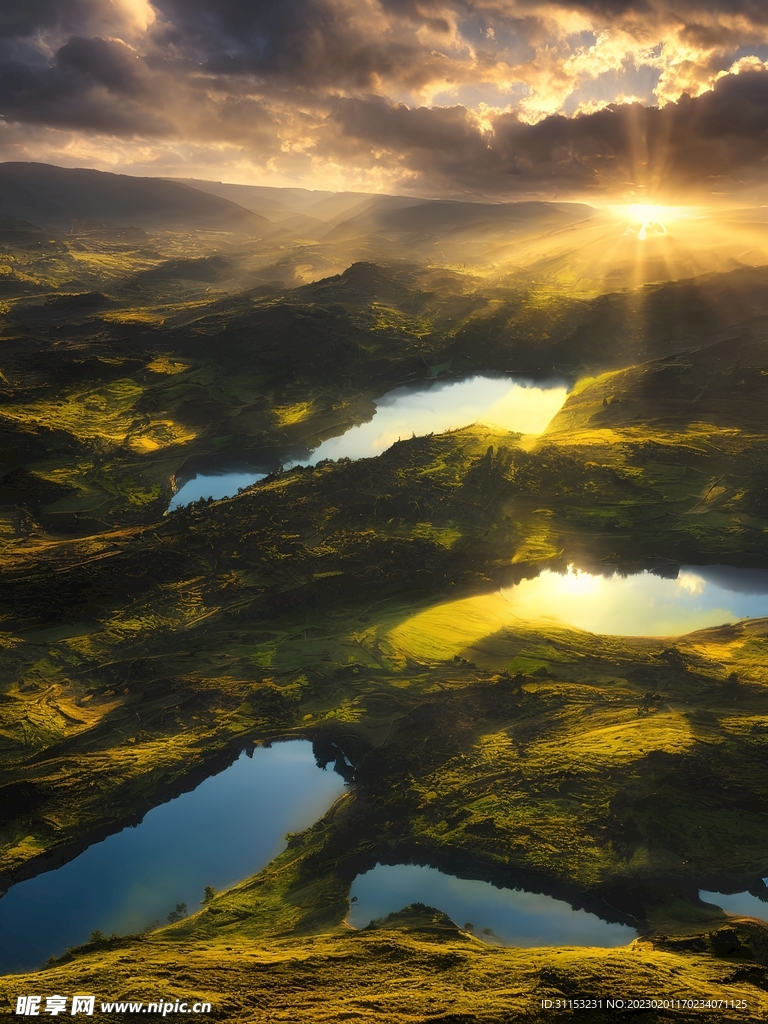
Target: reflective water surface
{"points": [[227, 829], [493, 401], [639, 605], [213, 485], [506, 916], [643, 604], [431, 408], [741, 904]]}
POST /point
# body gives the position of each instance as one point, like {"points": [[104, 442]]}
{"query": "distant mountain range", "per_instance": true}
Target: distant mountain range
{"points": [[286, 237], [342, 216], [63, 198], [82, 199]]}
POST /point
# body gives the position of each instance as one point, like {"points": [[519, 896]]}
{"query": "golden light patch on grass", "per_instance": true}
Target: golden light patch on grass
{"points": [[585, 399], [141, 497], [388, 318], [138, 626], [131, 316], [160, 434], [105, 413], [539, 545], [8, 529], [584, 437], [164, 364], [713, 493], [408, 969], [102, 414], [445, 536], [494, 746], [445, 629], [185, 607], [39, 718], [740, 650], [349, 710], [144, 444], [107, 264], [289, 414], [26, 848], [68, 475], [450, 628], [744, 725], [625, 737]]}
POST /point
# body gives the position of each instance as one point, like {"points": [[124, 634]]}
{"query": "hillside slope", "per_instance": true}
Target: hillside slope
{"points": [[60, 197]]}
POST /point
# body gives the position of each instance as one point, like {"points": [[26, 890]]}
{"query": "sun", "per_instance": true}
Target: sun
{"points": [[646, 221], [643, 221]]}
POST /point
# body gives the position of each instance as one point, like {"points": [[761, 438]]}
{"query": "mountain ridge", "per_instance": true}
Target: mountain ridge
{"points": [[63, 198]]}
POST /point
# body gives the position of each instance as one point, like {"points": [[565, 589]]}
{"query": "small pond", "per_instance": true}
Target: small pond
{"points": [[503, 916], [228, 828], [431, 408], [740, 904]]}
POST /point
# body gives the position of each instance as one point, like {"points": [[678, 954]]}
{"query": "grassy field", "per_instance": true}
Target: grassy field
{"points": [[356, 603], [416, 966]]}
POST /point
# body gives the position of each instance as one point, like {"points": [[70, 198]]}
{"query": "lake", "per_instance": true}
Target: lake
{"points": [[506, 916], [434, 407], [228, 828], [642, 604]]}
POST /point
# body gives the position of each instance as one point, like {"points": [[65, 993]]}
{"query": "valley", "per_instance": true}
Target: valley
{"points": [[353, 603]]}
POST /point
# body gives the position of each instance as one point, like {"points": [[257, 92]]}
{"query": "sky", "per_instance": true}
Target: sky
{"points": [[639, 100]]}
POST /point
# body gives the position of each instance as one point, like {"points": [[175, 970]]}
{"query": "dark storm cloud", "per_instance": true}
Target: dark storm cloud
{"points": [[87, 62], [442, 145], [754, 10], [34, 16], [91, 83], [293, 43], [61, 18], [722, 134], [372, 86], [714, 141]]}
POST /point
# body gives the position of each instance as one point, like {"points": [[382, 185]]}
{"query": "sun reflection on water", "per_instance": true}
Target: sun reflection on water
{"points": [[641, 604]]}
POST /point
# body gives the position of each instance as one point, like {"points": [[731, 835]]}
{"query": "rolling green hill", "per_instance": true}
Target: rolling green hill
{"points": [[352, 603]]}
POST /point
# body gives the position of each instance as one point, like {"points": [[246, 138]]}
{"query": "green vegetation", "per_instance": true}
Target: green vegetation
{"points": [[416, 966], [129, 362], [354, 604]]}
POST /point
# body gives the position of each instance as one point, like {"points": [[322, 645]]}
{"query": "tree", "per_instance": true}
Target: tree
{"points": [[178, 913]]}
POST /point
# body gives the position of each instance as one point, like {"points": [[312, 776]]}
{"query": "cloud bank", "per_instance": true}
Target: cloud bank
{"points": [[631, 98]]}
